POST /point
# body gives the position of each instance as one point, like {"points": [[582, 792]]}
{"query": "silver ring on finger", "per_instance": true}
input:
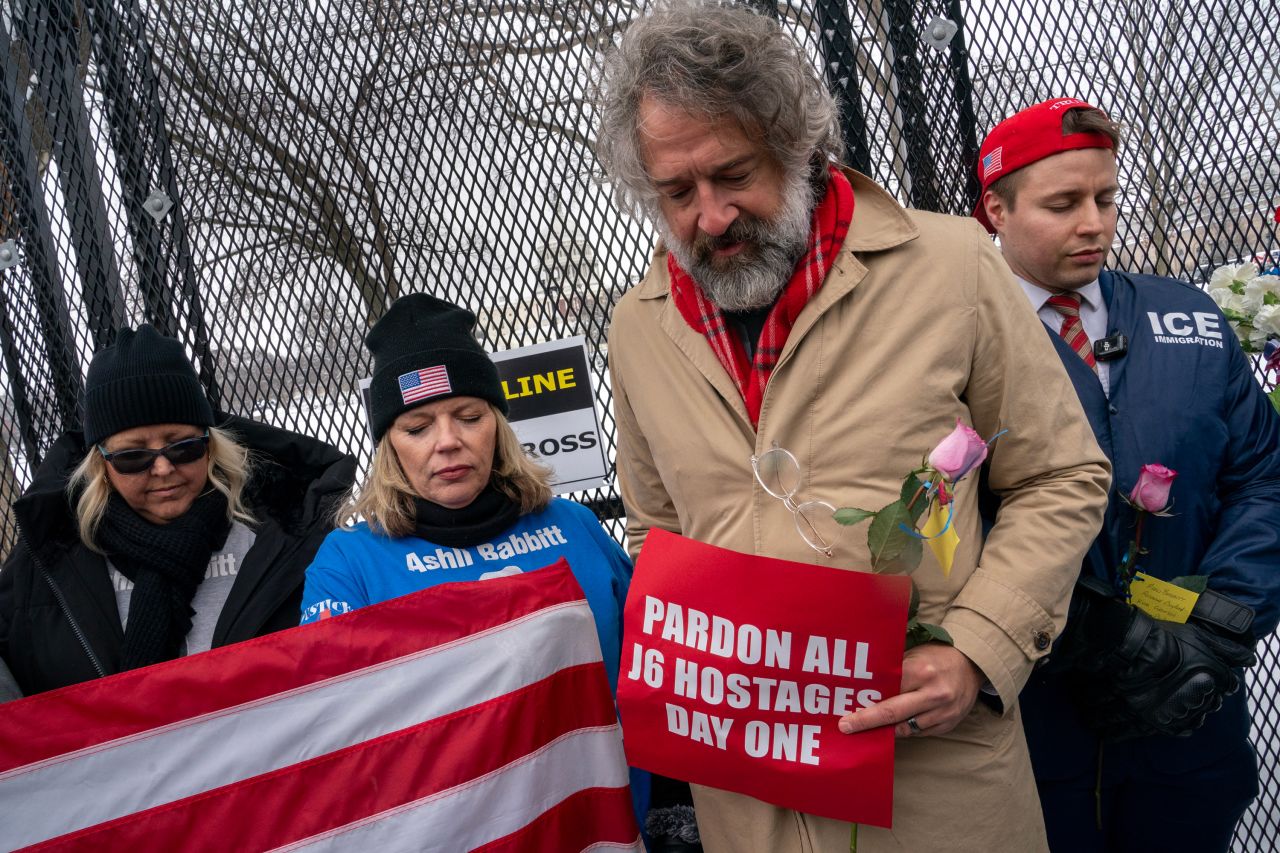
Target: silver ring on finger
{"points": [[913, 725]]}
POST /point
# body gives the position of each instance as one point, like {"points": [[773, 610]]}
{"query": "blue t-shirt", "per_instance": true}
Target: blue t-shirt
{"points": [[357, 567]]}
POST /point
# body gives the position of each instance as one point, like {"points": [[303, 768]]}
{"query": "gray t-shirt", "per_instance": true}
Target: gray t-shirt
{"points": [[212, 593]]}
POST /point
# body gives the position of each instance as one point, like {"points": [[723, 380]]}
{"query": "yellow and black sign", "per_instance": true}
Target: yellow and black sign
{"points": [[548, 388], [545, 383]]}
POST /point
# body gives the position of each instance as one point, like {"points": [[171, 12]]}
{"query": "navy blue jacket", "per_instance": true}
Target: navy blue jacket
{"points": [[1184, 396]]}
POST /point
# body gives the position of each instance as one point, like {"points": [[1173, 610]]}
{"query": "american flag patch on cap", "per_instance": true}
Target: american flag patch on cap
{"points": [[428, 382], [993, 162]]}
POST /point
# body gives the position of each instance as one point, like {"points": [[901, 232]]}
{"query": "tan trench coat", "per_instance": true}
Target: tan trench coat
{"points": [[919, 322]]}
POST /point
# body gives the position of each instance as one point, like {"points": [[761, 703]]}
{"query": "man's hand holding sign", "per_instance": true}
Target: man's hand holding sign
{"points": [[939, 687]]}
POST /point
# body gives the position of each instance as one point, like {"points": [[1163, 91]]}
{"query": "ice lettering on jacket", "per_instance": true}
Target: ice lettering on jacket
{"points": [[1177, 327], [443, 558], [522, 543]]}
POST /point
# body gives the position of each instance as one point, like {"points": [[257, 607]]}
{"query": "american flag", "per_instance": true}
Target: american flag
{"points": [[993, 162], [469, 716], [424, 383]]}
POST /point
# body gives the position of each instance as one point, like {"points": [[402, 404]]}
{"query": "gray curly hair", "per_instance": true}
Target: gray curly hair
{"points": [[714, 60]]}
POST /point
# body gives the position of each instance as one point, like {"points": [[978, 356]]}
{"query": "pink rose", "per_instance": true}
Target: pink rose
{"points": [[958, 453], [1151, 492]]}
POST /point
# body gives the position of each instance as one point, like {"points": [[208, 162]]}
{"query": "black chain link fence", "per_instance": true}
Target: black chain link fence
{"points": [[261, 178]]}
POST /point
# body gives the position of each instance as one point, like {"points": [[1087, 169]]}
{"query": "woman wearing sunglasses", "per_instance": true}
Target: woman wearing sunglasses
{"points": [[157, 533]]}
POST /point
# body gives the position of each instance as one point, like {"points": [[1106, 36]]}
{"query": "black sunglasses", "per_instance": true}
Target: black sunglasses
{"points": [[139, 459]]}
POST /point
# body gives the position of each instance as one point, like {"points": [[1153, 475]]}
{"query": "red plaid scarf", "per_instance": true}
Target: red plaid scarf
{"points": [[831, 220]]}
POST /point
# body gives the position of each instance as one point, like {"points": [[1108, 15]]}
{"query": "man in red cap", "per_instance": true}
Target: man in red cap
{"points": [[1139, 733]]}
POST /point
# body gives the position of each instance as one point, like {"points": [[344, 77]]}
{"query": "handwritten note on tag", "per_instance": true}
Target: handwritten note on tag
{"points": [[1161, 599]]}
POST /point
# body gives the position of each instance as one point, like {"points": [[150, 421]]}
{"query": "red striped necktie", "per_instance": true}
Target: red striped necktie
{"points": [[1072, 331]]}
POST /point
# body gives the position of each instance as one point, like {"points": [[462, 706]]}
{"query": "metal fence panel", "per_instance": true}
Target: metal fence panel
{"points": [[261, 178]]}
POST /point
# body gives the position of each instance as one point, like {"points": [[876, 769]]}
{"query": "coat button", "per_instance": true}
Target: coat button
{"points": [[1113, 410], [1042, 640]]}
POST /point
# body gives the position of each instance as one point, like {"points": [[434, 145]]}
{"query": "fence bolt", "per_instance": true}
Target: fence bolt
{"points": [[939, 32], [157, 205], [8, 254]]}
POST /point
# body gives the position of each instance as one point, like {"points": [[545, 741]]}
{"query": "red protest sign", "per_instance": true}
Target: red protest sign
{"points": [[736, 669]]}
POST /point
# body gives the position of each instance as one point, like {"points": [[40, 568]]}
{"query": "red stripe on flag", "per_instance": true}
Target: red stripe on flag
{"points": [[334, 790], [52, 724], [573, 824]]}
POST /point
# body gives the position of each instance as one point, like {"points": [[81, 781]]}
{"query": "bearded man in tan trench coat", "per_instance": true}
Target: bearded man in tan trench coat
{"points": [[796, 305]]}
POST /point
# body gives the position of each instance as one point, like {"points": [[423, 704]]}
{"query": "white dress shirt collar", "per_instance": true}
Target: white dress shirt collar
{"points": [[1090, 295], [1093, 317]]}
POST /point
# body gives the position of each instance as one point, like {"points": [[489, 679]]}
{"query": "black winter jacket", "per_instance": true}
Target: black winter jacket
{"points": [[59, 623]]}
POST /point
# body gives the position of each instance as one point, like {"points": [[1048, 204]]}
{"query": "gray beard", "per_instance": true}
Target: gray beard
{"points": [[755, 276]]}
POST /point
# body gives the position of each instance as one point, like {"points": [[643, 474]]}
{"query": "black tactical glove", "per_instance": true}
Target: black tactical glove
{"points": [[1141, 676]]}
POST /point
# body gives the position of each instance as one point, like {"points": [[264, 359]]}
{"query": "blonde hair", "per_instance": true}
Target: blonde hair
{"points": [[385, 499], [228, 470]]}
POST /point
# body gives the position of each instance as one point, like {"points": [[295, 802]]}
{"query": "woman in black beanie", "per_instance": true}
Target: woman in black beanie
{"points": [[451, 495], [155, 533]]}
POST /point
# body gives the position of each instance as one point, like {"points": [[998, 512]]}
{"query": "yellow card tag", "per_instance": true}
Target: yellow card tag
{"points": [[944, 546], [1161, 599]]}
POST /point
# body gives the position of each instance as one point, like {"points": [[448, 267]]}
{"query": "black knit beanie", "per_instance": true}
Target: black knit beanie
{"points": [[143, 378], [423, 351]]}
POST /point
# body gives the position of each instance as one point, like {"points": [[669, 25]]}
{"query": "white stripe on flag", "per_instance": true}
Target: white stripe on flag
{"points": [[465, 817], [163, 765]]}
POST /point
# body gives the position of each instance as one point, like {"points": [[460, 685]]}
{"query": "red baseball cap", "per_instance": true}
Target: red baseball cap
{"points": [[1026, 137]]}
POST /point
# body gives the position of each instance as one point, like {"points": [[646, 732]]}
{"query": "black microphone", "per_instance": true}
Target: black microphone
{"points": [[1113, 346]]}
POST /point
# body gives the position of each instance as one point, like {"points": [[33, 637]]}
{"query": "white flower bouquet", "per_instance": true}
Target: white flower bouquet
{"points": [[1251, 301]]}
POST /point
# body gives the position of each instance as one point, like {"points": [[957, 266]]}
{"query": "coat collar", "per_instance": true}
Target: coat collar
{"points": [[879, 223], [44, 512], [1118, 295]]}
